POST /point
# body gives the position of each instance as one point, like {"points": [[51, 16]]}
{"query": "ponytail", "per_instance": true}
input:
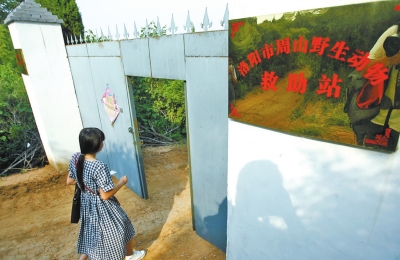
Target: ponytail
{"points": [[79, 171]]}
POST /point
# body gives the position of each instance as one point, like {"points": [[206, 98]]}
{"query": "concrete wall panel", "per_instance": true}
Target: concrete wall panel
{"points": [[167, 55]]}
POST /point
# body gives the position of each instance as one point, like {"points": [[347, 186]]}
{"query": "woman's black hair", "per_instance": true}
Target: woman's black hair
{"points": [[90, 140]]}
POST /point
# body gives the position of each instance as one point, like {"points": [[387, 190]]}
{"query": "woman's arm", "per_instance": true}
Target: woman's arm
{"points": [[105, 195], [70, 181], [378, 55]]}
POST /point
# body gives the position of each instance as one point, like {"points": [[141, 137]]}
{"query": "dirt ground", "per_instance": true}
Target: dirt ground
{"points": [[36, 206]]}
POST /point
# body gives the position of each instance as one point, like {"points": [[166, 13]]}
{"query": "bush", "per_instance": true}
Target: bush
{"points": [[160, 110], [20, 145]]}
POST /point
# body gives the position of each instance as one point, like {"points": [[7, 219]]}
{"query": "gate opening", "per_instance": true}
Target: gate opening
{"points": [[160, 110]]}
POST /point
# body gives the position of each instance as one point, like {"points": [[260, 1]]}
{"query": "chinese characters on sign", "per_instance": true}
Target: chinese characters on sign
{"points": [[327, 73], [297, 83]]}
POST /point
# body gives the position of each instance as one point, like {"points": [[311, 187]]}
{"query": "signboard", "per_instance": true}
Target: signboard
{"points": [[328, 74]]}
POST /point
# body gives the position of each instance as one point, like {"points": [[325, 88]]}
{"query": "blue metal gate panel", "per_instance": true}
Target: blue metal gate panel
{"points": [[91, 76], [207, 97], [120, 142], [87, 101]]}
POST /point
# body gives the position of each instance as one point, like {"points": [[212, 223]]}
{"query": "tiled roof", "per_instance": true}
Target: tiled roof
{"points": [[29, 11]]}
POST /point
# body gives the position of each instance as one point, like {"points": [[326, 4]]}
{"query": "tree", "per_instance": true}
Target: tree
{"points": [[20, 145], [68, 11], [7, 54], [6, 7]]}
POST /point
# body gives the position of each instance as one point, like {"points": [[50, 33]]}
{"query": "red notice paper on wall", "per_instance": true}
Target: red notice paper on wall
{"points": [[110, 105]]}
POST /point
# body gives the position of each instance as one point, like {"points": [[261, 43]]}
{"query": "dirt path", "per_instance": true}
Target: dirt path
{"points": [[35, 212]]}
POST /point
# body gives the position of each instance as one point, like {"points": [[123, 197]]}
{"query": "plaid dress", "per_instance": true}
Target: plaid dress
{"points": [[104, 226]]}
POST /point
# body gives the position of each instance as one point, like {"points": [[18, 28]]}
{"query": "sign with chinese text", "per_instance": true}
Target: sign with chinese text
{"points": [[328, 74], [110, 105]]}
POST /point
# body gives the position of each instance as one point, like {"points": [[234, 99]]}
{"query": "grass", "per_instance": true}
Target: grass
{"points": [[315, 117]]}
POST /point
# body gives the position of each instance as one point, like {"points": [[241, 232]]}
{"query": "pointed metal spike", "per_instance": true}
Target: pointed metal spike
{"points": [[159, 31], [116, 32], [126, 34], [135, 32], [225, 21], [76, 40], [80, 38], [102, 35], [206, 23], [173, 28], [146, 29], [109, 34], [189, 25], [68, 39]]}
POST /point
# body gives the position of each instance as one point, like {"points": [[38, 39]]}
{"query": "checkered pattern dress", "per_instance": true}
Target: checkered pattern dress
{"points": [[104, 226]]}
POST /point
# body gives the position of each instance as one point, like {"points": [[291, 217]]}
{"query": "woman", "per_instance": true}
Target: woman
{"points": [[105, 230]]}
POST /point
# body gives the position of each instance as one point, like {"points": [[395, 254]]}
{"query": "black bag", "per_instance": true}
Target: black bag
{"points": [[364, 100], [76, 200], [76, 205]]}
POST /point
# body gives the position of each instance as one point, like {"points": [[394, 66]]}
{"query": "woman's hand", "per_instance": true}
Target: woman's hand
{"points": [[124, 180], [110, 193]]}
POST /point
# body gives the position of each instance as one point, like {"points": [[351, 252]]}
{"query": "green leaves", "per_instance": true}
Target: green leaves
{"points": [[6, 6], [161, 104], [152, 30], [68, 11]]}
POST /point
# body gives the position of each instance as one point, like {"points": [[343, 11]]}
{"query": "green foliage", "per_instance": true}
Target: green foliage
{"points": [[160, 104], [6, 6], [297, 113], [7, 53], [91, 37], [16, 118], [311, 130], [68, 11], [152, 30]]}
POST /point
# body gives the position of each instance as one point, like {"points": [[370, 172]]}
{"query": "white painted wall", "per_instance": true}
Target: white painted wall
{"points": [[295, 198], [50, 88]]}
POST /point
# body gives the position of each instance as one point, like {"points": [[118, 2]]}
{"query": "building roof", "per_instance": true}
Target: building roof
{"points": [[29, 11]]}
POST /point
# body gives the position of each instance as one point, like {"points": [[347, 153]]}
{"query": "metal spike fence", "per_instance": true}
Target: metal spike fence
{"points": [[188, 28]]}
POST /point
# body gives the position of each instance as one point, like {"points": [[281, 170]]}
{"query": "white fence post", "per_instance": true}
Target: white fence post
{"points": [[49, 84]]}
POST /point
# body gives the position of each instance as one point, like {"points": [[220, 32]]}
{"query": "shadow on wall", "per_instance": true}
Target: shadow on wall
{"points": [[263, 223], [213, 227]]}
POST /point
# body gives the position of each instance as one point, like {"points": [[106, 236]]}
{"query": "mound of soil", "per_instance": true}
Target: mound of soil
{"points": [[36, 206]]}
